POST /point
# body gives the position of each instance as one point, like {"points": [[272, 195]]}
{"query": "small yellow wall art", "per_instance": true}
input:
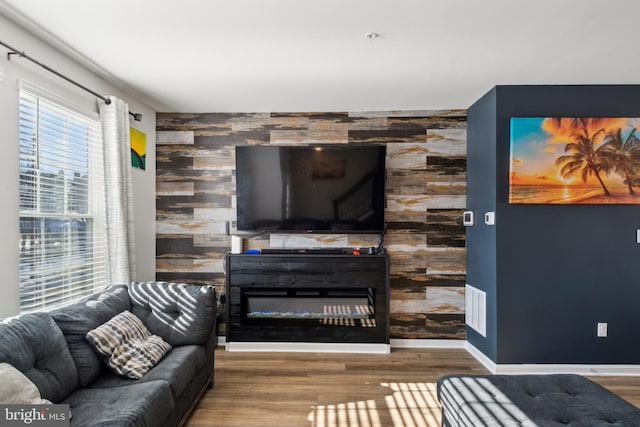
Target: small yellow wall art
{"points": [[138, 149]]}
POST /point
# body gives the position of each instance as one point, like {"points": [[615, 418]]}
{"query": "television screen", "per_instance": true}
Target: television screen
{"points": [[311, 188]]}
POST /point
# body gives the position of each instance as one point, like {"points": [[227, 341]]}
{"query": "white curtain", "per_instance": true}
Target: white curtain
{"points": [[119, 195]]}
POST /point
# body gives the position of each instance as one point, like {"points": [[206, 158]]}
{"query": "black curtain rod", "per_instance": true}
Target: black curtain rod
{"points": [[136, 116]]}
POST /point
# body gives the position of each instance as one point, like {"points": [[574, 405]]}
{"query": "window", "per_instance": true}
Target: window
{"points": [[62, 242]]}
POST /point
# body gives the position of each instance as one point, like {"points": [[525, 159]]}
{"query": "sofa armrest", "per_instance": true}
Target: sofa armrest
{"points": [[181, 313], [212, 342]]}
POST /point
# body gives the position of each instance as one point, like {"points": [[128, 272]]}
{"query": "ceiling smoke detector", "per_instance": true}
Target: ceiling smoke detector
{"points": [[371, 36]]}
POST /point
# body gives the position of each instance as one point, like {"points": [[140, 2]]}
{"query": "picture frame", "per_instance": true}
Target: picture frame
{"points": [[574, 160], [138, 140]]}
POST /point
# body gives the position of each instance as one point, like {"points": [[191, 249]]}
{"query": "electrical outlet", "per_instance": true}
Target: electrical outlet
{"points": [[602, 329]]}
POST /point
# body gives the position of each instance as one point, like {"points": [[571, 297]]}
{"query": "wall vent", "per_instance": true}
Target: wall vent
{"points": [[476, 309]]}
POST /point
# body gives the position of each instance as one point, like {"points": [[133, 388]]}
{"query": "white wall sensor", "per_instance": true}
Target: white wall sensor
{"points": [[237, 244], [467, 218], [490, 218]]}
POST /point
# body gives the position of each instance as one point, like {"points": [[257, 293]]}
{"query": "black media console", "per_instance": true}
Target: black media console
{"points": [[308, 298]]}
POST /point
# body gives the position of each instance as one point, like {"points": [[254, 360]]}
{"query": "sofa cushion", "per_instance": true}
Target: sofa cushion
{"points": [[178, 368], [531, 400], [77, 319], [127, 346], [180, 313], [141, 405], [34, 344], [16, 388]]}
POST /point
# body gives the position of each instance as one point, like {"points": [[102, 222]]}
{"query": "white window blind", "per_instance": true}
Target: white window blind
{"points": [[62, 242]]}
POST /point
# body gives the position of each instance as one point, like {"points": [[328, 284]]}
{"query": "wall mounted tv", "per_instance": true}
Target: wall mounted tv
{"points": [[326, 188]]}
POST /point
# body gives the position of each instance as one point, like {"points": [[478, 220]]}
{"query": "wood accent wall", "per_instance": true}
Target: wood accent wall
{"points": [[426, 187]]}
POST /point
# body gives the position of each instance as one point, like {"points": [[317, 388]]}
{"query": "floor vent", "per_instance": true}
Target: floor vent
{"points": [[476, 309]]}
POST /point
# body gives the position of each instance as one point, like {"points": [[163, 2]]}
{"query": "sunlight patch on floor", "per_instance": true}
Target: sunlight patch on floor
{"points": [[350, 414], [407, 405]]}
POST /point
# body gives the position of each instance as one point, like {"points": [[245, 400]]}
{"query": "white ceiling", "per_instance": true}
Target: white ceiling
{"points": [[299, 55]]}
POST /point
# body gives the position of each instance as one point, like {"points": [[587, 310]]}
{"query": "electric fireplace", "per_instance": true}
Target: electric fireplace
{"points": [[307, 298]]}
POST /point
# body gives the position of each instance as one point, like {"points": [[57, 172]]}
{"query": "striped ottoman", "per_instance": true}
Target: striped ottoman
{"points": [[531, 400]]}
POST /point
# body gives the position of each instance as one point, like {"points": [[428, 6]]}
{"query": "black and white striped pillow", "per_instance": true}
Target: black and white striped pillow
{"points": [[127, 346]]}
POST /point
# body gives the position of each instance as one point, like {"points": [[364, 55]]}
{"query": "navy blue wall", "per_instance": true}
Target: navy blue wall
{"points": [[560, 269], [481, 198]]}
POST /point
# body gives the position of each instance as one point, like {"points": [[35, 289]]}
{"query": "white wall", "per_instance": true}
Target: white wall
{"points": [[143, 181]]}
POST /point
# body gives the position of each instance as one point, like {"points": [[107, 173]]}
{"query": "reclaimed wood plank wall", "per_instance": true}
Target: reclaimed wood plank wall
{"points": [[426, 186]]}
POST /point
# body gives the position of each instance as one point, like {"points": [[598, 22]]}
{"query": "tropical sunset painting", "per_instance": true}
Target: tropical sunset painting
{"points": [[572, 160]]}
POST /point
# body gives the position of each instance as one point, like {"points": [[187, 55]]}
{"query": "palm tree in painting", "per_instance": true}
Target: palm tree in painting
{"points": [[586, 159], [580, 122], [624, 154]]}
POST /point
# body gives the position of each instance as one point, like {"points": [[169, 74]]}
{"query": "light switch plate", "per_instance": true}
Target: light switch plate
{"points": [[467, 218], [602, 330]]}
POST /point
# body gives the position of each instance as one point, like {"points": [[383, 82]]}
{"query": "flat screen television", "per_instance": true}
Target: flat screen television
{"points": [[327, 188]]}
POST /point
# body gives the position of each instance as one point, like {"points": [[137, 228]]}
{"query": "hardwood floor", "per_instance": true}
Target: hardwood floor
{"points": [[340, 390]]}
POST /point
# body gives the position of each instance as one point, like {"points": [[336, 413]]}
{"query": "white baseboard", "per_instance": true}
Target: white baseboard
{"points": [[616, 370], [480, 357], [343, 348], [426, 343], [536, 368], [492, 367], [585, 370], [308, 347]]}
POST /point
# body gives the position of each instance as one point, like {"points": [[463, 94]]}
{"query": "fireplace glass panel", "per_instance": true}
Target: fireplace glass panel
{"points": [[330, 307]]}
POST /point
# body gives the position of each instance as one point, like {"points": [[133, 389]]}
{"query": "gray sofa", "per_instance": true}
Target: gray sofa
{"points": [[51, 350]]}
